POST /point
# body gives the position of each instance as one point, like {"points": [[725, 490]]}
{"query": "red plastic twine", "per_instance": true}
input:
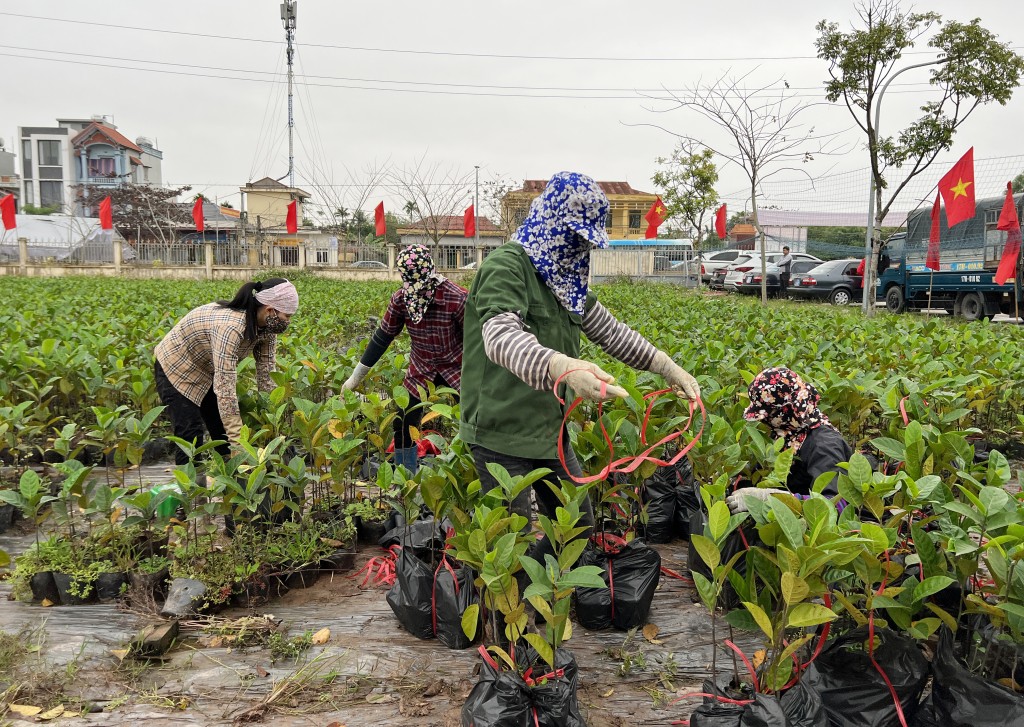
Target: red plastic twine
{"points": [[381, 568], [746, 662], [627, 465], [871, 650]]}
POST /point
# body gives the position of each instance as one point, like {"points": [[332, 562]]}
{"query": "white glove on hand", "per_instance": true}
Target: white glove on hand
{"points": [[584, 378], [737, 502], [356, 378], [675, 376]]}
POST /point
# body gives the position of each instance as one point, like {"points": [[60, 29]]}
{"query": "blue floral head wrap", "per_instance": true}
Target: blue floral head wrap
{"points": [[564, 224]]}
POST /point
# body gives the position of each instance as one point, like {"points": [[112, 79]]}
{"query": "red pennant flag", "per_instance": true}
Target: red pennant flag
{"points": [[292, 220], [932, 261], [720, 222], [656, 215], [1008, 221], [378, 217], [106, 215], [7, 211], [469, 222], [957, 189], [197, 215]]}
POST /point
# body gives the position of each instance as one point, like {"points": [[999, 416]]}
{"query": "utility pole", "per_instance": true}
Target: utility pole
{"points": [[288, 17]]}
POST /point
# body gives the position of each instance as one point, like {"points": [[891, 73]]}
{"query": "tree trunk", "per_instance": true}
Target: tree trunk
{"points": [[760, 236], [871, 271]]}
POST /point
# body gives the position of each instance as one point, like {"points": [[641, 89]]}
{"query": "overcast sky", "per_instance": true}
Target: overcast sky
{"points": [[217, 131]]}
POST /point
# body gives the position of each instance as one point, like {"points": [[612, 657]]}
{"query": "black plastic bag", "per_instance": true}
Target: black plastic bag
{"points": [[411, 598], [799, 706], [423, 537], [633, 575], [505, 699], [659, 497], [852, 690], [453, 594], [733, 544], [962, 699], [687, 502]]}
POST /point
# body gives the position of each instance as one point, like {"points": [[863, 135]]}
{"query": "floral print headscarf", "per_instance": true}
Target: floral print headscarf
{"points": [[419, 280], [787, 404], [564, 224]]}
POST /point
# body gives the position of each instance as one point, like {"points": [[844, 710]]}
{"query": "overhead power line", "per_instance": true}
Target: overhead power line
{"points": [[406, 51], [580, 89], [632, 96]]}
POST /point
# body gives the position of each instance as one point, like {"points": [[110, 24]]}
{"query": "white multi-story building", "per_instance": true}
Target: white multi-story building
{"points": [[81, 151]]}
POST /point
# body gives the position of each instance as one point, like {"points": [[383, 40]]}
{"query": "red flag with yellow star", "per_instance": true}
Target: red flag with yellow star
{"points": [[655, 216], [957, 190]]}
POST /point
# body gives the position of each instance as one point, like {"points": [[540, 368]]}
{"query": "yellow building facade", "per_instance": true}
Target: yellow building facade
{"points": [[267, 200], [626, 212]]}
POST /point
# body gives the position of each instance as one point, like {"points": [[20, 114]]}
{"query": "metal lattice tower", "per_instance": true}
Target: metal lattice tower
{"points": [[288, 18]]}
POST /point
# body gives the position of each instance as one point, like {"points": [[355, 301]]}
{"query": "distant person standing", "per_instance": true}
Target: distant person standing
{"points": [[785, 264]]}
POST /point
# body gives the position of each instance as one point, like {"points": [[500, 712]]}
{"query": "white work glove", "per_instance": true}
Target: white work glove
{"points": [[675, 376], [737, 500], [584, 378], [356, 378]]}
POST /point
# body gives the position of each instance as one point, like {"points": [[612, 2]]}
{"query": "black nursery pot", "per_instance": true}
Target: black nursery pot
{"points": [[108, 585], [371, 531], [44, 588], [155, 584], [63, 582], [341, 560], [302, 577], [252, 593], [6, 516]]}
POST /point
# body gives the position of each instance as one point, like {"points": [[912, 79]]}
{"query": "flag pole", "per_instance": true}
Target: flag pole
{"points": [[931, 280], [1016, 298]]}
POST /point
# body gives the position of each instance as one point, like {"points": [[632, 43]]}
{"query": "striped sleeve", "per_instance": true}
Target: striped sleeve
{"points": [[508, 345], [617, 339]]}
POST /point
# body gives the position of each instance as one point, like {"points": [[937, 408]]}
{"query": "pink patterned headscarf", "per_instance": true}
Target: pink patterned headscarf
{"points": [[282, 297], [787, 404]]}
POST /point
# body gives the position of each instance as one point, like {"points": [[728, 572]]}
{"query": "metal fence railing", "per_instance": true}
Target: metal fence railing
{"points": [[62, 252], [164, 253]]}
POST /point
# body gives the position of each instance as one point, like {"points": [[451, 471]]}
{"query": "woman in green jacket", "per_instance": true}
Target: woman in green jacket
{"points": [[527, 308]]}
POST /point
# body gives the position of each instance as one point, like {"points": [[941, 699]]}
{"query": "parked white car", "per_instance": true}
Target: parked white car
{"points": [[730, 277], [710, 262]]}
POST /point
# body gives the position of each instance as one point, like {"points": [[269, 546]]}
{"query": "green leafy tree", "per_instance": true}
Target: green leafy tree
{"points": [[971, 69], [1018, 182], [686, 182]]}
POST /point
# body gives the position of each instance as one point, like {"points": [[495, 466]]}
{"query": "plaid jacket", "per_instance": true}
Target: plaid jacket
{"points": [[436, 339], [203, 351]]}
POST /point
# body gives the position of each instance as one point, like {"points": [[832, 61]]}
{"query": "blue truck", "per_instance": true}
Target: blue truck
{"points": [[969, 256]]}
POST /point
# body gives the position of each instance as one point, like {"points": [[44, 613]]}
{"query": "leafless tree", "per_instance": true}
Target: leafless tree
{"points": [[339, 203], [763, 132], [438, 191], [492, 197]]}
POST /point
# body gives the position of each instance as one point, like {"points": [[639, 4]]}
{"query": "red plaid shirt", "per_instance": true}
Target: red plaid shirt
{"points": [[436, 339]]}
